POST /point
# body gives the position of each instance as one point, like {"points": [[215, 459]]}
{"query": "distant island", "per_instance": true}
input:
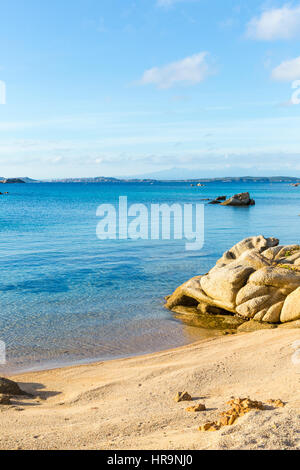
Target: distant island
{"points": [[111, 180], [11, 181], [103, 179]]}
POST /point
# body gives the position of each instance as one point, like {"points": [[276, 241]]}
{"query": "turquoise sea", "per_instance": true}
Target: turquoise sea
{"points": [[66, 297]]}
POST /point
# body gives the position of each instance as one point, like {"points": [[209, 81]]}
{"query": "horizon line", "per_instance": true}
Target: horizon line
{"points": [[136, 179]]}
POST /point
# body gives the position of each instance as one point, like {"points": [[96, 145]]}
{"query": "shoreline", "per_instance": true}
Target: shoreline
{"points": [[129, 403], [70, 364], [190, 333]]}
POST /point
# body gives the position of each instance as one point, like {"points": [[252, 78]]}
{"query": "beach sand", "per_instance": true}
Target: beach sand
{"points": [[129, 403]]}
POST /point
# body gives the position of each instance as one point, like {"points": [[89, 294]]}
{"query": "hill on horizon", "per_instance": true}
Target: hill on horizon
{"points": [[187, 174]]}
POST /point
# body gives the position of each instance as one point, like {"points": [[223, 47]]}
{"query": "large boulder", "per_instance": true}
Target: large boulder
{"points": [[224, 282], [291, 308], [257, 279]]}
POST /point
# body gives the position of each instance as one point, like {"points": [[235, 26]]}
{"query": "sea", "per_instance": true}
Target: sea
{"points": [[68, 297]]}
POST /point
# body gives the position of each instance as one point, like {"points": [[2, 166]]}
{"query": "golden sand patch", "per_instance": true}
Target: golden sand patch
{"points": [[238, 408]]}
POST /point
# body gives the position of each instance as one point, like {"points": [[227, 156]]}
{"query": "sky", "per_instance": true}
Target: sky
{"points": [[124, 88]]}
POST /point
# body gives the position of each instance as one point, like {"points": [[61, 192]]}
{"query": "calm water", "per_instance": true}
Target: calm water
{"points": [[68, 297]]}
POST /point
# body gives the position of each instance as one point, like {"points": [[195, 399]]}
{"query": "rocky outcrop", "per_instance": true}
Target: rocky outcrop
{"points": [[257, 279], [238, 200], [242, 199]]}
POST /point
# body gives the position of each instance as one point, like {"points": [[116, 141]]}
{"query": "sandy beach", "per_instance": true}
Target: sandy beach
{"points": [[129, 403]]}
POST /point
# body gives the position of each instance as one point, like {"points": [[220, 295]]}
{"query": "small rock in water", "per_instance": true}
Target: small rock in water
{"points": [[218, 200], [183, 396], [242, 199], [196, 409]]}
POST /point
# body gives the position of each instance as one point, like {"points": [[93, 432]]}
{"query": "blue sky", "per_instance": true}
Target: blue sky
{"points": [[121, 87]]}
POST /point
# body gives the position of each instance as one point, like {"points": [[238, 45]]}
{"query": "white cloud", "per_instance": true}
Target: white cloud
{"points": [[191, 70], [276, 23], [287, 71]]}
